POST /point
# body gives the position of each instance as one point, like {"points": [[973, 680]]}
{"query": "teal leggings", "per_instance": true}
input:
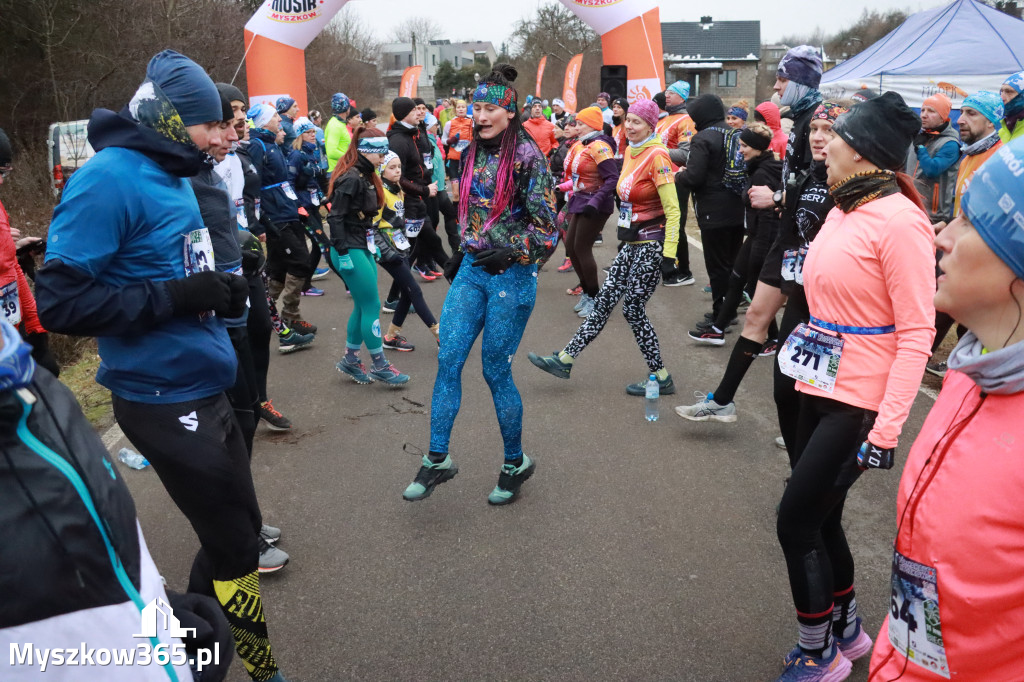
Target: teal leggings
{"points": [[364, 322]]}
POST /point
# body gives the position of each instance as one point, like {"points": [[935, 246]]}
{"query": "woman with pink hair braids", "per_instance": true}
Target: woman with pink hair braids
{"points": [[507, 223]]}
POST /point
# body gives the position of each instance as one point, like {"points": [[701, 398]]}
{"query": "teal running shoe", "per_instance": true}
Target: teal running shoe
{"points": [[355, 370], [510, 480], [390, 375], [551, 364], [430, 475]]}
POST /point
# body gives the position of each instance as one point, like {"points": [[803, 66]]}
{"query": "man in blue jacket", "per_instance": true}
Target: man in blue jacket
{"points": [[129, 261]]}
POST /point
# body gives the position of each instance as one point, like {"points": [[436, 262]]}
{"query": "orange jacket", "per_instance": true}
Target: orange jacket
{"points": [[463, 127], [969, 164], [10, 271], [543, 133], [960, 511]]}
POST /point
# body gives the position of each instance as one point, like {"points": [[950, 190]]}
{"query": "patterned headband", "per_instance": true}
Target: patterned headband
{"points": [[828, 111], [492, 93], [373, 145]]}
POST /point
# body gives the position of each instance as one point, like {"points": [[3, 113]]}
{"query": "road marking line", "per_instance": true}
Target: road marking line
{"points": [[112, 436]]}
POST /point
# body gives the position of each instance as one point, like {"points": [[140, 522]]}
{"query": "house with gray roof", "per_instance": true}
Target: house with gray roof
{"points": [[721, 57]]}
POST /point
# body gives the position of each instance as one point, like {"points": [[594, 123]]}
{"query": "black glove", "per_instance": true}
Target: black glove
{"points": [[873, 457], [451, 268], [210, 630], [220, 292], [397, 223], [496, 261], [589, 210], [668, 266], [253, 258]]}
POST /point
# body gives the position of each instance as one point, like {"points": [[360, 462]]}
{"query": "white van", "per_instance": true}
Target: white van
{"points": [[69, 148]]}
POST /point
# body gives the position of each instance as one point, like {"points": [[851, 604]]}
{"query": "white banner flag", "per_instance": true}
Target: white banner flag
{"points": [[293, 22]]}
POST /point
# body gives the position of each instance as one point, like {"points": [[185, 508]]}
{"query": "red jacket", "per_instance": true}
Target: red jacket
{"points": [[770, 112], [966, 519], [11, 271]]}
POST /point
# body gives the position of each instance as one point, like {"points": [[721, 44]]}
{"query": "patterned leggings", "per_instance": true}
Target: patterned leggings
{"points": [[635, 274], [500, 307]]}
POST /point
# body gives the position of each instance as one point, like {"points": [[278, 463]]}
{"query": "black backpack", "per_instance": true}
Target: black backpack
{"points": [[735, 176]]}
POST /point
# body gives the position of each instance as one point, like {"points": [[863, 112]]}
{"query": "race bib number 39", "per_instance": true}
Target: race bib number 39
{"points": [[812, 357], [11, 303], [625, 215], [915, 629]]}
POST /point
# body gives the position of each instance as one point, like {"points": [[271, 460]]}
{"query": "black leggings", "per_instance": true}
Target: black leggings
{"points": [[811, 512], [408, 292], [721, 245], [583, 231], [746, 268], [244, 394], [787, 398], [260, 327], [441, 205], [428, 249], [683, 250]]}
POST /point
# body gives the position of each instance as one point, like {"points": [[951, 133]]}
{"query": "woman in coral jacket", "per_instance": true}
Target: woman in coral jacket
{"points": [[957, 584]]}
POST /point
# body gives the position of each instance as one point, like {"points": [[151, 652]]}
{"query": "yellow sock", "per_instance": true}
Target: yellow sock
{"points": [[393, 330], [435, 329], [565, 358], [662, 374]]}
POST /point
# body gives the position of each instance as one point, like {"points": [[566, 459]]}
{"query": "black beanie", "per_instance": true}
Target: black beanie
{"points": [[226, 112], [6, 154], [752, 139], [402, 107], [369, 114], [659, 99], [419, 101], [880, 129], [231, 93]]}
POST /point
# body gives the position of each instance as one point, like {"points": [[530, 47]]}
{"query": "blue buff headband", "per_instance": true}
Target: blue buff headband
{"points": [[492, 93], [373, 145]]}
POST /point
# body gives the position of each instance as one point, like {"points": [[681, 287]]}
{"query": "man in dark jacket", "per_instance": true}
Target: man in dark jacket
{"points": [[718, 209], [130, 261]]}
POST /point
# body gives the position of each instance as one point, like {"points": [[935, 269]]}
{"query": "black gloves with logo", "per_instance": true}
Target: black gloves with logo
{"points": [[873, 457], [496, 261], [451, 268], [253, 259], [220, 292]]}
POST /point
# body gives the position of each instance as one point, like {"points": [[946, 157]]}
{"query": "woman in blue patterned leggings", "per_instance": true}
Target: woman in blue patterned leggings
{"points": [[507, 223]]}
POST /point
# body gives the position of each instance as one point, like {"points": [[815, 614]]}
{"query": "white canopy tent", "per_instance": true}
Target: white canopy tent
{"points": [[957, 49]]}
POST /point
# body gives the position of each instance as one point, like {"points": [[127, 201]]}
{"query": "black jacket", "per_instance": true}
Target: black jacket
{"points": [[412, 146], [353, 206], [763, 170], [714, 204]]}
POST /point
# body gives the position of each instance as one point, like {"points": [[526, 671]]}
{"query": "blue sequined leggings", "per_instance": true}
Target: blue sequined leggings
{"points": [[500, 306]]}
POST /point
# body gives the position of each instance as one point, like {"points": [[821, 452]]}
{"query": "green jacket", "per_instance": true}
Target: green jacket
{"points": [[337, 138], [1005, 135]]}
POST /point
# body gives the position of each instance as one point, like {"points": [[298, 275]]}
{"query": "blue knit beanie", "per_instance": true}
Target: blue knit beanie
{"points": [[994, 203], [283, 104], [187, 86], [986, 103]]}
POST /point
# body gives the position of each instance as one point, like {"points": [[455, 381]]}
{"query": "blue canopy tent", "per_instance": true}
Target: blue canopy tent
{"points": [[958, 49]]}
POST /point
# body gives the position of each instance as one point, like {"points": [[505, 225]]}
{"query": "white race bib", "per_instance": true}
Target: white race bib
{"points": [[915, 629], [10, 302], [789, 258], [800, 258], [288, 191], [198, 251], [461, 146], [314, 197], [413, 226], [625, 215], [811, 357], [243, 222], [400, 240], [428, 161], [575, 182]]}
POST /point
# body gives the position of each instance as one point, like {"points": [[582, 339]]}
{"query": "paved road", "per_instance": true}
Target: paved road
{"points": [[639, 551]]}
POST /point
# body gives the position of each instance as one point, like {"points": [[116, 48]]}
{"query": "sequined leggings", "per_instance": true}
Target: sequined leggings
{"points": [[500, 307]]}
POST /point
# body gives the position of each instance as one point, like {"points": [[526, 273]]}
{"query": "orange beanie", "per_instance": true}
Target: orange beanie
{"points": [[592, 117], [940, 103]]}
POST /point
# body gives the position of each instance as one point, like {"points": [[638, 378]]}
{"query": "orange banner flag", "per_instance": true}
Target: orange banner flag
{"points": [[572, 75], [410, 81], [540, 73]]}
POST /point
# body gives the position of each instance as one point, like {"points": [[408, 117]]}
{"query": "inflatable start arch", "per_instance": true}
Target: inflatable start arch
{"points": [[277, 35]]}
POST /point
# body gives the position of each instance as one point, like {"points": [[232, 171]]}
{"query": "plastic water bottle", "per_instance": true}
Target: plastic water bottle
{"points": [[132, 458], [651, 401]]}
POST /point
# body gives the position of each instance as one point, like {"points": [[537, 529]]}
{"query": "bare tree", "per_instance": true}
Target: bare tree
{"points": [[422, 27], [559, 34]]}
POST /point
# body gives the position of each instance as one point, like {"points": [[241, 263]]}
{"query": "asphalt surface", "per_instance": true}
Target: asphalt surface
{"points": [[638, 551]]}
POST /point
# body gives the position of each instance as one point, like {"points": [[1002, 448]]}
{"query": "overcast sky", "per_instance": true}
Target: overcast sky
{"points": [[493, 20]]}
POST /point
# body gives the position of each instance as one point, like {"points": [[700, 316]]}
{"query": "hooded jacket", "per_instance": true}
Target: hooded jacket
{"points": [[714, 204], [337, 139], [280, 201], [773, 120], [303, 172], [412, 148], [762, 170], [116, 237], [960, 512], [77, 557]]}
